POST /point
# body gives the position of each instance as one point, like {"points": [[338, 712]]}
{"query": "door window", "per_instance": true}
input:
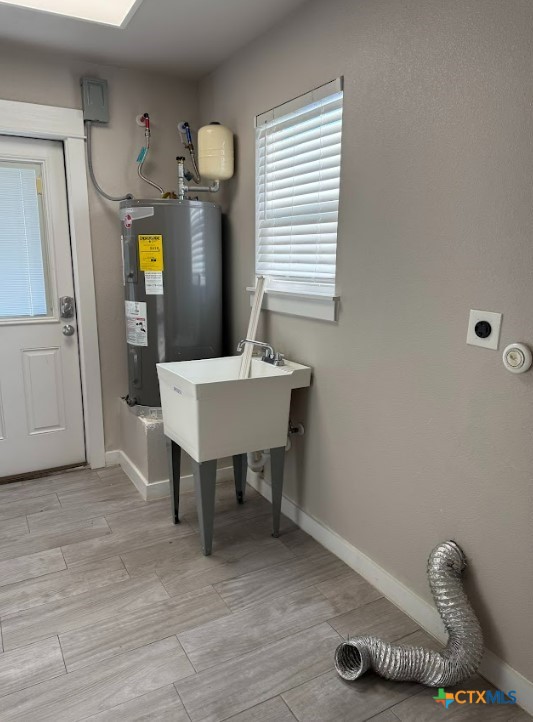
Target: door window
{"points": [[24, 275]]}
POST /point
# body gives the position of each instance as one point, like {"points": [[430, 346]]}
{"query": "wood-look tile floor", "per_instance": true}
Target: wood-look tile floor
{"points": [[110, 612]]}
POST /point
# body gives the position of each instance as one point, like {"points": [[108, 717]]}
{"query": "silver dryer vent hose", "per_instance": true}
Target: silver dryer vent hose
{"points": [[462, 655]]}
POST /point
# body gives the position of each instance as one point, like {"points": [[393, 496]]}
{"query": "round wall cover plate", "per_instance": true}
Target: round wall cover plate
{"points": [[517, 358]]}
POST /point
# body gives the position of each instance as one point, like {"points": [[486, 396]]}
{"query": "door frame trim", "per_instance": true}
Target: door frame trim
{"points": [[66, 125]]}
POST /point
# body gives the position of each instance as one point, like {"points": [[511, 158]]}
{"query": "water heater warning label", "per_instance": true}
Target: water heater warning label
{"points": [[150, 253], [136, 326], [153, 283]]}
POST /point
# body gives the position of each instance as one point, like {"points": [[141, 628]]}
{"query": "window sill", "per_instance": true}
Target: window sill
{"points": [[322, 308]]}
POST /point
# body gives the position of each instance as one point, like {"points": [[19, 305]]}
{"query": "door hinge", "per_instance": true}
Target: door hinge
{"points": [[39, 186]]}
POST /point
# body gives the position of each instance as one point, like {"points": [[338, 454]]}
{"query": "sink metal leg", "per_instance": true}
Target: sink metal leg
{"points": [[174, 464], [205, 474], [240, 469], [277, 464]]}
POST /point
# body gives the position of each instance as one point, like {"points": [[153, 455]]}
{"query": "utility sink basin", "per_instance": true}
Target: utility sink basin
{"points": [[211, 413]]}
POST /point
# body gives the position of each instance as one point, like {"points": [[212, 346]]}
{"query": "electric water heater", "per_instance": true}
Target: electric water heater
{"points": [[172, 287]]}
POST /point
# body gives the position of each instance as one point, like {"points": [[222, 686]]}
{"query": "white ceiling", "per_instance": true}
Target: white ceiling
{"points": [[182, 37]]}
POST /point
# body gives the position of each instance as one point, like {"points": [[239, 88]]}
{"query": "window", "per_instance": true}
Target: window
{"points": [[298, 158], [23, 270]]}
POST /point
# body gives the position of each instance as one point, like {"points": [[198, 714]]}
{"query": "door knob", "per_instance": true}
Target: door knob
{"points": [[68, 330]]}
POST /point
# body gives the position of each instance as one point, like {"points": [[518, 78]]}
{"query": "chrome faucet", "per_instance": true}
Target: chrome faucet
{"points": [[269, 355]]}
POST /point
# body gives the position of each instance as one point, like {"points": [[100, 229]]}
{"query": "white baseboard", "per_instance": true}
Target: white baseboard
{"points": [[156, 489], [424, 614]]}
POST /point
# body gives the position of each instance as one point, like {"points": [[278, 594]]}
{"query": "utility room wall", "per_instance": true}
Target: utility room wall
{"points": [[412, 437], [32, 76]]}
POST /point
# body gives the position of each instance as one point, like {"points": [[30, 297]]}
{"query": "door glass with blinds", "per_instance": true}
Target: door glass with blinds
{"points": [[298, 161], [24, 285]]}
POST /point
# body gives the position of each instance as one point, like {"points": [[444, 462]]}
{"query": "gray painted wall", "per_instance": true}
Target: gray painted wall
{"points": [[34, 76], [412, 436]]}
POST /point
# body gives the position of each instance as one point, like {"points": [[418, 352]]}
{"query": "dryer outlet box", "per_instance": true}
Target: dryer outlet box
{"points": [[484, 329]]}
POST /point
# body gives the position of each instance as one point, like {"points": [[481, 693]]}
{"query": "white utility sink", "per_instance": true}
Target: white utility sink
{"points": [[211, 413]]}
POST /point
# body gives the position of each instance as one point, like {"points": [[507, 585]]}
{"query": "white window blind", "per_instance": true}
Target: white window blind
{"points": [[22, 269], [298, 158]]}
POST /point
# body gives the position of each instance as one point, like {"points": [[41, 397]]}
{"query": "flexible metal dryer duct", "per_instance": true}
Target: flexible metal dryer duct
{"points": [[462, 655]]}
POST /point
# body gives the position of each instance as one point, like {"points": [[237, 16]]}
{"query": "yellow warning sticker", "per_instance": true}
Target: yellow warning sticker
{"points": [[150, 253]]}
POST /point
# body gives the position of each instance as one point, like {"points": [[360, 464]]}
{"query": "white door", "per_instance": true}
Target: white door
{"points": [[41, 413]]}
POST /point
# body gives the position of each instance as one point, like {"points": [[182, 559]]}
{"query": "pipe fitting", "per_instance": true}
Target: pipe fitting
{"points": [[458, 661], [257, 460]]}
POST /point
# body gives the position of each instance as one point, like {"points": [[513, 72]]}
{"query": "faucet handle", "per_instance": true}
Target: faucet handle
{"points": [[279, 359]]}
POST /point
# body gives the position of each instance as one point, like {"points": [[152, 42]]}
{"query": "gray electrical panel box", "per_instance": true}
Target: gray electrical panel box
{"points": [[94, 98]]}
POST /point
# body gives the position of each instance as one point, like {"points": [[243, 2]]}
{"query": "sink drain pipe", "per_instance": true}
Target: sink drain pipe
{"points": [[257, 460], [462, 655]]}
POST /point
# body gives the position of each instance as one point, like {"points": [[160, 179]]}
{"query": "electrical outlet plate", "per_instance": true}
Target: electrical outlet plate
{"points": [[495, 320]]}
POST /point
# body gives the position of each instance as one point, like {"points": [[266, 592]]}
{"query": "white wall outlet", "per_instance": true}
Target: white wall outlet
{"points": [[484, 329]]}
